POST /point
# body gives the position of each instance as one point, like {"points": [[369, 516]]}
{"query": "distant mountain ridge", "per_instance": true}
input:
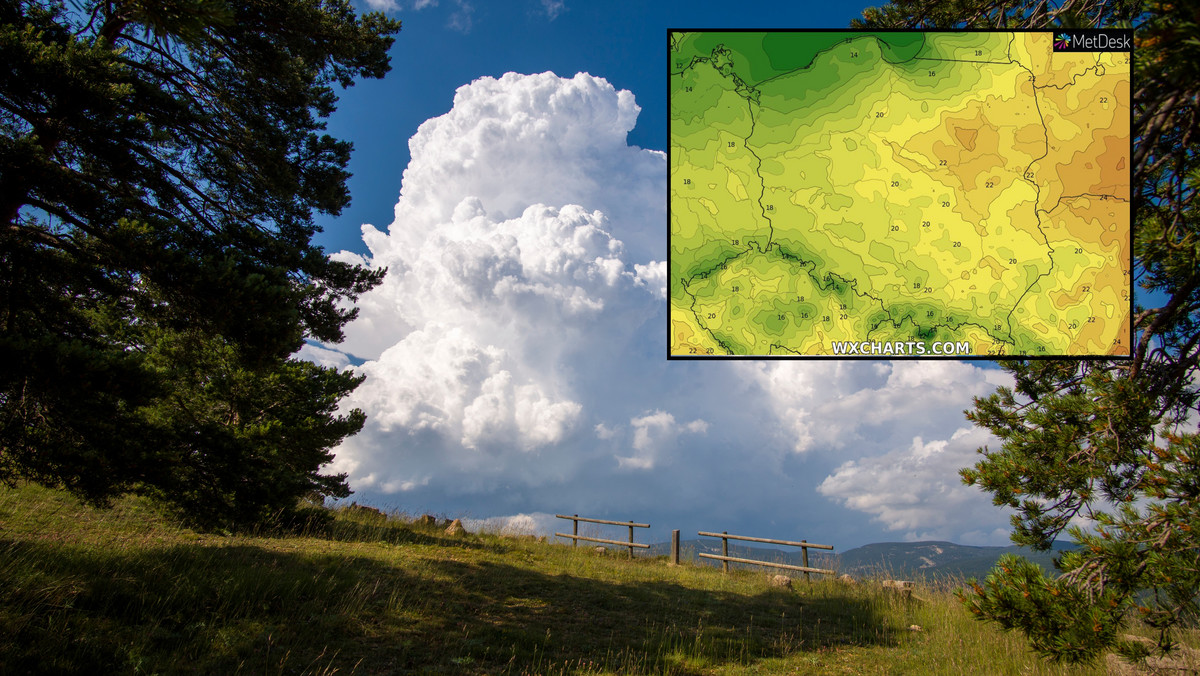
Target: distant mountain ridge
{"points": [[937, 558], [929, 559]]}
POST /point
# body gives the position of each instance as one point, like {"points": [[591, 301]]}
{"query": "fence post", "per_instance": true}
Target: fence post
{"points": [[724, 551], [675, 547], [805, 550], [630, 539], [575, 531]]}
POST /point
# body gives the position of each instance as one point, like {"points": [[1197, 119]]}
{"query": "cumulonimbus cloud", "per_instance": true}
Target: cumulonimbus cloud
{"points": [[516, 352]]}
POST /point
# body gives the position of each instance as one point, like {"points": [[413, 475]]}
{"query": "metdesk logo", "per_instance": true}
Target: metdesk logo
{"points": [[1093, 40]]}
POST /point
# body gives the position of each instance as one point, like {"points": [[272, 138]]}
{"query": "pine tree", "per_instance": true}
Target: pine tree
{"points": [[160, 167], [1105, 451]]}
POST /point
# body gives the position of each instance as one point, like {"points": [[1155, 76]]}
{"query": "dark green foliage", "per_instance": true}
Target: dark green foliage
{"points": [[160, 167], [1106, 450], [952, 14], [258, 434], [1059, 619]]}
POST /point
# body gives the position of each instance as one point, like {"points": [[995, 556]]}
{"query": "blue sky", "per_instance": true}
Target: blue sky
{"points": [[510, 174]]}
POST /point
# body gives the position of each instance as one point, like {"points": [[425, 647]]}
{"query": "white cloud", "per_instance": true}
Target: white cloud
{"points": [[654, 439], [515, 352], [504, 414], [537, 523], [382, 5], [653, 276], [604, 431], [462, 19], [506, 294], [917, 490], [322, 356], [553, 8], [846, 404]]}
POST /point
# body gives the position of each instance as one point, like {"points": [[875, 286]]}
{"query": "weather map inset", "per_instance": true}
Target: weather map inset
{"points": [[900, 194]]}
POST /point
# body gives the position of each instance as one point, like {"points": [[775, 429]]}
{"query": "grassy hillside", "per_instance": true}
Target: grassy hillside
{"points": [[125, 591]]}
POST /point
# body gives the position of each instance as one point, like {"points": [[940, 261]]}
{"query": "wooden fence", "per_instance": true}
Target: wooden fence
{"points": [[725, 558], [576, 537]]}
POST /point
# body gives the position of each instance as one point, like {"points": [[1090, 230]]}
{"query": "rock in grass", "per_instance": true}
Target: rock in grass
{"points": [[845, 579], [781, 581], [456, 528], [426, 520], [902, 587]]}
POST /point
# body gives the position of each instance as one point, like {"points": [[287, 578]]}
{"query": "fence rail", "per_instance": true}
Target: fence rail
{"points": [[726, 559], [575, 537], [803, 543]]}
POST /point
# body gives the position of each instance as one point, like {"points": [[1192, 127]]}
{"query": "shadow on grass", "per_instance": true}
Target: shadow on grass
{"points": [[548, 622], [225, 609]]}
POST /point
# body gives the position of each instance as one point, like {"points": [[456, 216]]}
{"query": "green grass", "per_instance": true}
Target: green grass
{"points": [[125, 591]]}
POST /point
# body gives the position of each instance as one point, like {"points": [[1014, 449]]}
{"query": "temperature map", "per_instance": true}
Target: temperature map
{"points": [[897, 194]]}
